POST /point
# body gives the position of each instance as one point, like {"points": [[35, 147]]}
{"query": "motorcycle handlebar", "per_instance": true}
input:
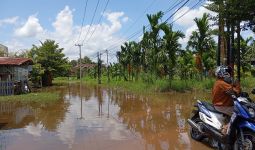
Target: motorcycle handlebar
{"points": [[233, 96]]}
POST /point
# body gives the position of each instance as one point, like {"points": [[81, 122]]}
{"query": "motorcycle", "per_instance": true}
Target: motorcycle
{"points": [[207, 122]]}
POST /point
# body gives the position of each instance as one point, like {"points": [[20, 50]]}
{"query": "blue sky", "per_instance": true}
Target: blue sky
{"points": [[24, 23]]}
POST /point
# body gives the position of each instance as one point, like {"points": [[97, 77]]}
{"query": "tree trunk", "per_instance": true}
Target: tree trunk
{"points": [[232, 52], [238, 51], [228, 44], [47, 78]]}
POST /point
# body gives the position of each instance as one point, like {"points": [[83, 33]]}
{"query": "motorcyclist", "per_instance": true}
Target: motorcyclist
{"points": [[221, 97]]}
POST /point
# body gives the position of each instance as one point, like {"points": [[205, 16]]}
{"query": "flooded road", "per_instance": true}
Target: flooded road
{"points": [[97, 118]]}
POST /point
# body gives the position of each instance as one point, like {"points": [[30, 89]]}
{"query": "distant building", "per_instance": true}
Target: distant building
{"points": [[14, 72], [84, 68], [3, 51]]}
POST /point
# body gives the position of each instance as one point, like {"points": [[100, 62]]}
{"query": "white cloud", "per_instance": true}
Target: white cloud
{"points": [[66, 34], [125, 19], [114, 18], [64, 22], [11, 20], [14, 45], [30, 29], [102, 38], [188, 33], [187, 21]]}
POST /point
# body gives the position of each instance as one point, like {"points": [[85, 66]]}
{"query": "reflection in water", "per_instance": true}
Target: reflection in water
{"points": [[93, 117]]}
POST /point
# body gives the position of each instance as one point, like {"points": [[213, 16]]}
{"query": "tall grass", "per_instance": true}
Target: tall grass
{"points": [[155, 85], [158, 85]]}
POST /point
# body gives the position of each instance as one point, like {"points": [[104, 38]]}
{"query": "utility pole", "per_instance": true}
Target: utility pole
{"points": [[99, 67], [79, 45], [108, 77]]}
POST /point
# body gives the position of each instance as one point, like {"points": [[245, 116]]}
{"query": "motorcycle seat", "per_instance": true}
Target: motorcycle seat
{"points": [[210, 107]]}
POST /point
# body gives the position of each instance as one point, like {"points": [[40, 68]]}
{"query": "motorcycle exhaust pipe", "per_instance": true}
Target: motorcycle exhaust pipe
{"points": [[207, 130], [194, 125], [214, 132]]}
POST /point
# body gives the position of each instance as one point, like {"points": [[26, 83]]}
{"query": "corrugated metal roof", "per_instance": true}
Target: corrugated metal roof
{"points": [[14, 61]]}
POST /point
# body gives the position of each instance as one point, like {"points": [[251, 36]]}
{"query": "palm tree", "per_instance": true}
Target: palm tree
{"points": [[154, 40], [186, 64], [135, 58], [171, 46], [124, 58], [246, 54], [201, 41]]}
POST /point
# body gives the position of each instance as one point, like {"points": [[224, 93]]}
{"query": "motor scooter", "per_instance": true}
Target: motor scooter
{"points": [[207, 122]]}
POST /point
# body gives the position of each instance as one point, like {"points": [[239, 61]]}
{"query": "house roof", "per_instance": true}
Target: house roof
{"points": [[15, 61]]}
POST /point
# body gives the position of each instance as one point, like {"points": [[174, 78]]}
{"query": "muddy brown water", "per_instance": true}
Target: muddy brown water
{"points": [[97, 118]]}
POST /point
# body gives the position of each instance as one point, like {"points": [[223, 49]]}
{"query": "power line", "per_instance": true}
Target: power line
{"points": [[138, 32], [188, 11], [91, 21], [83, 18], [138, 18], [200, 1], [176, 11], [99, 20]]}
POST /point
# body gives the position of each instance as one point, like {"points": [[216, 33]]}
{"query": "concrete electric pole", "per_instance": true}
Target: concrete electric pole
{"points": [[79, 45]]}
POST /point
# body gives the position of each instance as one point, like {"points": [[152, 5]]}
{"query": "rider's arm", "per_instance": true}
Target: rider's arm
{"points": [[237, 87], [229, 88]]}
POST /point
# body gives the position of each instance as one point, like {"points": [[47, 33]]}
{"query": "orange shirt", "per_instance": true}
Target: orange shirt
{"points": [[220, 97]]}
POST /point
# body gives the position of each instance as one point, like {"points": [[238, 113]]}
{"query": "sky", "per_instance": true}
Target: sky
{"points": [[105, 24]]}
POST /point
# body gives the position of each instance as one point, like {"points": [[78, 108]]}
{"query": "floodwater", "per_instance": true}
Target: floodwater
{"points": [[97, 118]]}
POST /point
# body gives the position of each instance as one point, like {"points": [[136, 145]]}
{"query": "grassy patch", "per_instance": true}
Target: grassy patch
{"points": [[162, 85], [42, 98]]}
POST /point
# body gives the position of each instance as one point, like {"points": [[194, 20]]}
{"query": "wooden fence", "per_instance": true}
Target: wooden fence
{"points": [[6, 88]]}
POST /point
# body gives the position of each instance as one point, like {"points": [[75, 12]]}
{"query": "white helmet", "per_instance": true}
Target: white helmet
{"points": [[223, 71]]}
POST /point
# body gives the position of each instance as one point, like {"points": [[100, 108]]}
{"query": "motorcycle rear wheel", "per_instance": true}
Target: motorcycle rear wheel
{"points": [[194, 133]]}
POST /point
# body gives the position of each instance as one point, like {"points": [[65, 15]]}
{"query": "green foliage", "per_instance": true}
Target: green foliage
{"points": [[2, 53], [49, 60], [253, 71], [234, 11], [202, 43], [36, 73], [40, 98]]}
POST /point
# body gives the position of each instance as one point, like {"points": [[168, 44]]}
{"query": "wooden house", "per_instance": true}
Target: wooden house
{"points": [[14, 73]]}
